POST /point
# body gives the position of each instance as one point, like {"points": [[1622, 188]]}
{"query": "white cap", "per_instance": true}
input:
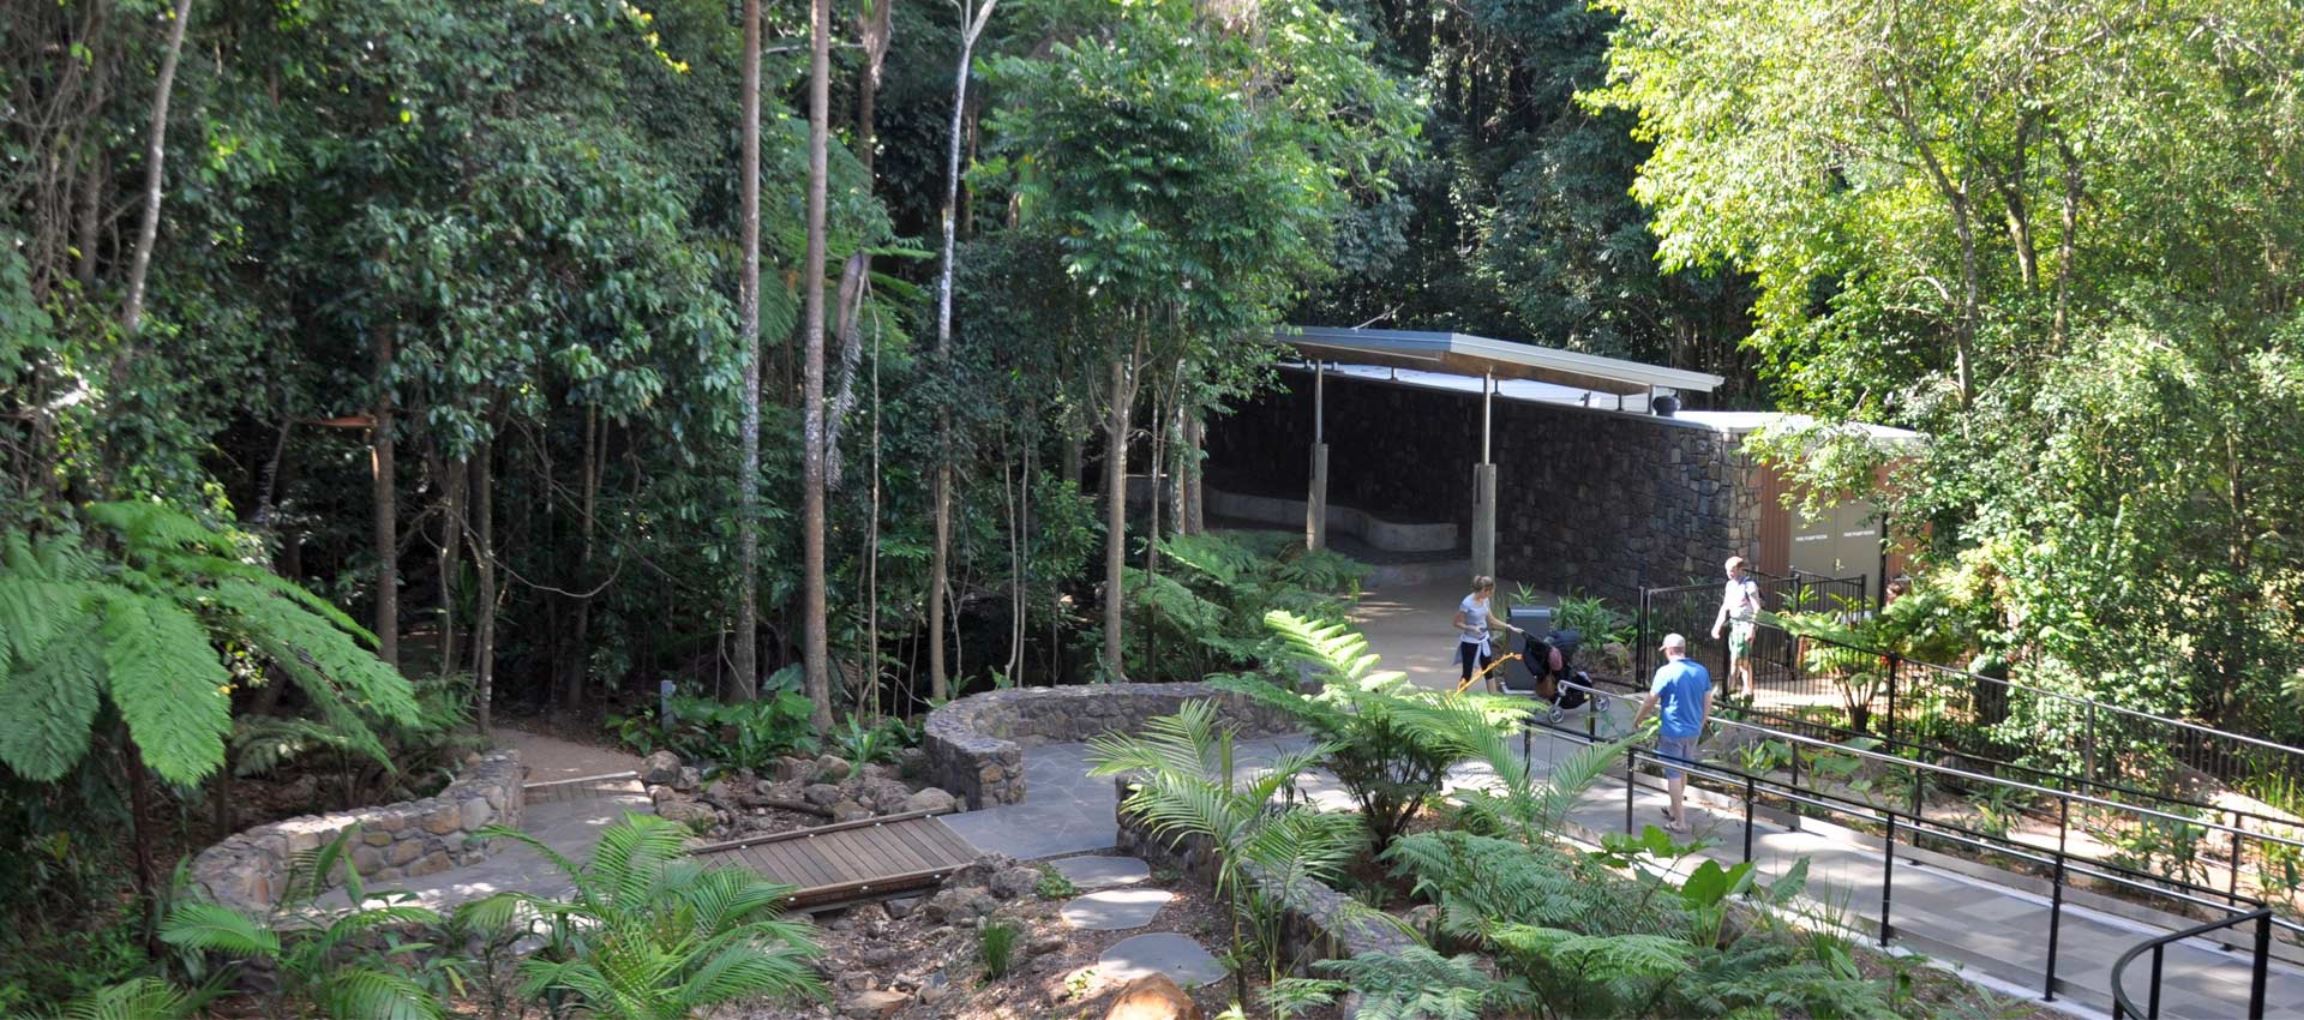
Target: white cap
{"points": [[1672, 641]]}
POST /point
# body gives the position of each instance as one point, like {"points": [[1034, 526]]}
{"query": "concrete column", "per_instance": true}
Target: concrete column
{"points": [[1316, 503], [1484, 519], [1316, 506]]}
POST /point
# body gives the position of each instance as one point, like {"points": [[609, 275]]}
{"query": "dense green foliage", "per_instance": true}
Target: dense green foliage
{"points": [[2060, 240]]}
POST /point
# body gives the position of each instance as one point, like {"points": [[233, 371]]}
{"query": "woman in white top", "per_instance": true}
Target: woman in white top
{"points": [[1473, 618]]}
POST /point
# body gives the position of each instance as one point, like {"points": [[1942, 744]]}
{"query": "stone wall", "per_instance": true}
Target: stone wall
{"points": [[1321, 925], [405, 840], [1597, 500], [976, 745]]}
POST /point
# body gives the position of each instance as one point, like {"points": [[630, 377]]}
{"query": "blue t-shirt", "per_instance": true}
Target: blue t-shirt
{"points": [[1680, 688]]}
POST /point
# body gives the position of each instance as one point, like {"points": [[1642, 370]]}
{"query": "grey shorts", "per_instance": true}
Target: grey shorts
{"points": [[1681, 748]]}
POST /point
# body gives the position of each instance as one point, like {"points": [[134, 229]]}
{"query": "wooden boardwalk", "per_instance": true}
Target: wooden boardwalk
{"points": [[834, 864]]}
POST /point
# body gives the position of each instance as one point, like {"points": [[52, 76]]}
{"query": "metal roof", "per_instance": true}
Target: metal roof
{"points": [[1478, 355]]}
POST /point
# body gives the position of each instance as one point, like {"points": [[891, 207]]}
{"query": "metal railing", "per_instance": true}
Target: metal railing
{"points": [[2124, 1007], [2060, 864], [1942, 710]]}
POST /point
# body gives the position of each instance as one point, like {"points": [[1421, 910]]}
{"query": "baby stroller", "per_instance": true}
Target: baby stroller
{"points": [[1550, 674]]}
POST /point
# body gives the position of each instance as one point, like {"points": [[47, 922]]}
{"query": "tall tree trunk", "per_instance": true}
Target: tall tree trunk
{"points": [[815, 639], [155, 156], [484, 557], [1196, 501], [385, 504], [1122, 395], [577, 670], [747, 657], [458, 480], [875, 30], [940, 553]]}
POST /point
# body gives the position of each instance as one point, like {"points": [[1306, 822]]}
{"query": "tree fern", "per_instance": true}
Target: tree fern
{"points": [[138, 624], [649, 933], [138, 999]]}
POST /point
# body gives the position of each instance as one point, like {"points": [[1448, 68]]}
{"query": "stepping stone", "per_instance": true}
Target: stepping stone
{"points": [[1116, 909], [1089, 874], [1182, 959]]}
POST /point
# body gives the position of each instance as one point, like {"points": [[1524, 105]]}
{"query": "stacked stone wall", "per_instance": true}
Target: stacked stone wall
{"points": [[410, 839], [1601, 501]]}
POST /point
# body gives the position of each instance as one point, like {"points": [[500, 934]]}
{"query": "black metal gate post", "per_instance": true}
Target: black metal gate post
{"points": [[1748, 795], [2263, 965], [2055, 927], [1893, 662], [1789, 803], [1628, 773], [1887, 875]]}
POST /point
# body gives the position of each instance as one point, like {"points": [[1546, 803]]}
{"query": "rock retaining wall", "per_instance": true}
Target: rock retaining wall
{"points": [[976, 745], [405, 840], [1321, 925], [1599, 500]]}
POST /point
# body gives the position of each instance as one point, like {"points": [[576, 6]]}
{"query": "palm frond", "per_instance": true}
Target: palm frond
{"points": [[359, 993], [214, 928]]}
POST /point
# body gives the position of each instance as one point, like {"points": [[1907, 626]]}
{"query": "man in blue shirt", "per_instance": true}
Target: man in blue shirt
{"points": [[1683, 689]]}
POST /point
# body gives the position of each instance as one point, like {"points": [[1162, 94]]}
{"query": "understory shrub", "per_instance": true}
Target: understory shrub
{"points": [[1203, 612], [730, 735], [1387, 740]]}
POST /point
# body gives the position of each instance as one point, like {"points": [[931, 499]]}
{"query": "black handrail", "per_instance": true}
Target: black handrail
{"points": [[2062, 862], [2124, 1007]]}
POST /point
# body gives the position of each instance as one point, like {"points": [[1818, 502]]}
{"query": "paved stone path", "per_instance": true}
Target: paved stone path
{"points": [[1182, 959], [1115, 909], [565, 813], [1089, 874]]}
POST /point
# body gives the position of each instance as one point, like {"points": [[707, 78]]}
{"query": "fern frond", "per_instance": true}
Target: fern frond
{"points": [[137, 999], [357, 993], [52, 702], [215, 928], [168, 684]]}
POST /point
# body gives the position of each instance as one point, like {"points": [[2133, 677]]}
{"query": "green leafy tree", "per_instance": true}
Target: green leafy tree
{"points": [[2051, 237]]}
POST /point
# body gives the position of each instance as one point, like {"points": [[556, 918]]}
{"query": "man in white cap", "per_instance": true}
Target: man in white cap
{"points": [[1683, 689]]}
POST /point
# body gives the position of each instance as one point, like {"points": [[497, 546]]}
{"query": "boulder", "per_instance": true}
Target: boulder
{"points": [[660, 769], [1010, 883], [729, 792], [832, 768], [1153, 997], [912, 763], [874, 1004], [690, 778], [930, 799], [687, 812], [902, 906], [955, 906], [793, 770], [822, 795], [849, 811], [885, 796]]}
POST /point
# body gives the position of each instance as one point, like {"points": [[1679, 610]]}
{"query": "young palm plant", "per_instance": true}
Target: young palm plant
{"points": [[328, 960], [1189, 785], [649, 933]]}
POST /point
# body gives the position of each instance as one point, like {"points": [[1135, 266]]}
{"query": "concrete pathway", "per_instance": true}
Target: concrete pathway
{"points": [[564, 811]]}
